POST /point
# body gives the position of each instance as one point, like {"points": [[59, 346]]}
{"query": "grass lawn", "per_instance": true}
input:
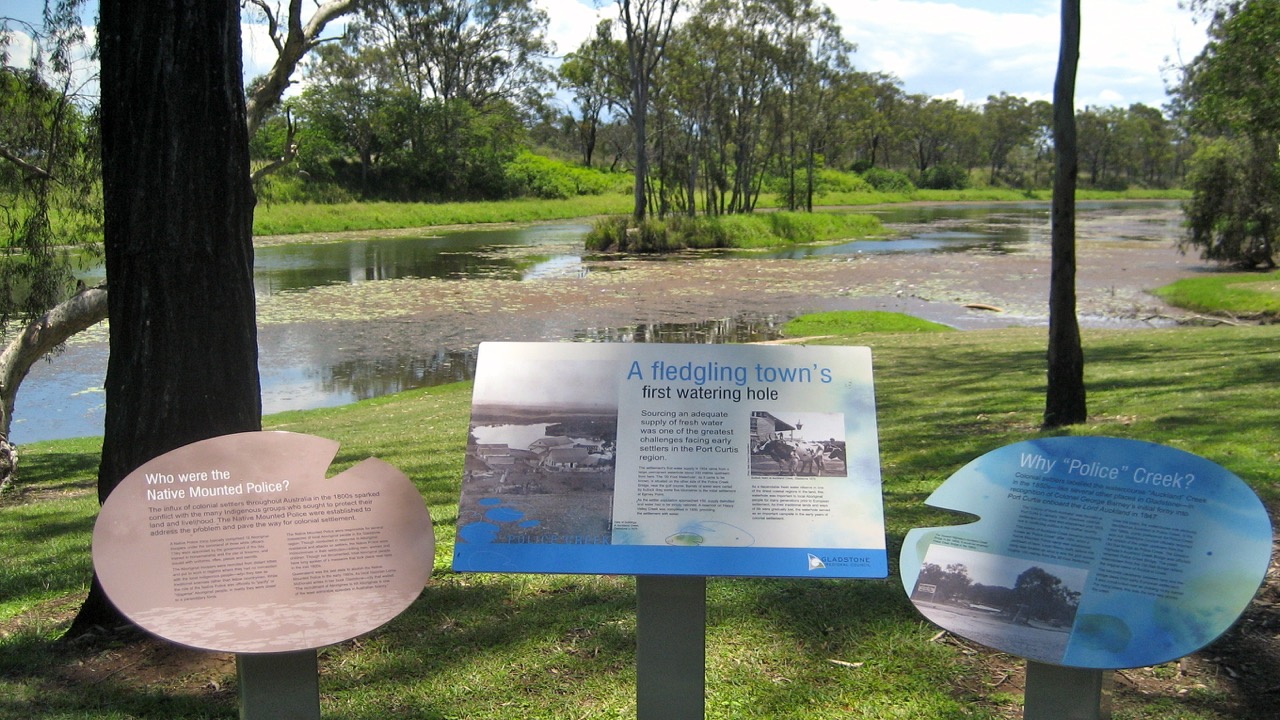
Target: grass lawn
{"points": [[538, 646], [1250, 294]]}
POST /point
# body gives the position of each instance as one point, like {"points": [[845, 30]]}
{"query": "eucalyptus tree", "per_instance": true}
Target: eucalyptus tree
{"points": [[50, 200], [347, 109], [1152, 147], [178, 238], [877, 116], [646, 26], [593, 73], [466, 73], [1232, 94], [1102, 145], [812, 53], [1008, 125], [1065, 396], [58, 204]]}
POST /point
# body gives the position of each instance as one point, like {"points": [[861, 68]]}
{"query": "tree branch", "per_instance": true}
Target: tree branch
{"points": [[26, 167], [292, 47], [83, 310]]}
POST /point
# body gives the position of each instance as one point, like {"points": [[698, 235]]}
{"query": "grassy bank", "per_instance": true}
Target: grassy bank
{"points": [[1250, 295], [296, 218], [519, 647]]}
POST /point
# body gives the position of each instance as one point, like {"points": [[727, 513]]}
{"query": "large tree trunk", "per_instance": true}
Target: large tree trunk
{"points": [[179, 253], [1065, 398]]}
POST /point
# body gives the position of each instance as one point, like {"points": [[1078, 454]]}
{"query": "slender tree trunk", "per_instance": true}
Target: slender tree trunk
{"points": [[179, 253], [1065, 398]]}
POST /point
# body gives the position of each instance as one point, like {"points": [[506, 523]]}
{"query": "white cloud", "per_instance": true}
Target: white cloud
{"points": [[571, 22], [941, 48]]}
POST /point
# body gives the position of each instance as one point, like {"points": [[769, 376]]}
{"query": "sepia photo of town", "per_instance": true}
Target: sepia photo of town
{"points": [[538, 475]]}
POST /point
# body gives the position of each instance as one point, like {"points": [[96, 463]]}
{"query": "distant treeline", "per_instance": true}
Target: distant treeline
{"points": [[459, 99]]}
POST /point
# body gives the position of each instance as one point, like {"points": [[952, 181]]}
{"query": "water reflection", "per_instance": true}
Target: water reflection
{"points": [[723, 330], [460, 254]]}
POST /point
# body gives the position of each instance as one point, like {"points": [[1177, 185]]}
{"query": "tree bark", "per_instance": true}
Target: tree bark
{"points": [[1065, 397], [178, 238]]}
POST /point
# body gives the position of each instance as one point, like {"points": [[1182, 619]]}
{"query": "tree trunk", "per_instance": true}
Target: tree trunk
{"points": [[639, 121], [1065, 397], [178, 238], [83, 310]]}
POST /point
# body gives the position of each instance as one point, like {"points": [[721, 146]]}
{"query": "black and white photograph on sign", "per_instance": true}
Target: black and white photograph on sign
{"points": [[796, 444], [1026, 607], [540, 457]]}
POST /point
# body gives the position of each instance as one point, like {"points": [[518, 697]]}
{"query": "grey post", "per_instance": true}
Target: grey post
{"points": [[1063, 693], [279, 686], [671, 624]]}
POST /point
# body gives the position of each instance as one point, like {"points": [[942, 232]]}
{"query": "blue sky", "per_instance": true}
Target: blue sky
{"points": [[962, 49]]}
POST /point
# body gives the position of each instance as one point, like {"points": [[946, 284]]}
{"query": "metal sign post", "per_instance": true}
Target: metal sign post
{"points": [[1064, 693], [279, 686], [671, 624]]}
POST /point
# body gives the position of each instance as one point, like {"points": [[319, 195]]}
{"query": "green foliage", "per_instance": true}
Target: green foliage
{"points": [[888, 181], [1233, 215], [850, 323], [1232, 92], [50, 183], [761, 230], [530, 175], [828, 180], [945, 177]]}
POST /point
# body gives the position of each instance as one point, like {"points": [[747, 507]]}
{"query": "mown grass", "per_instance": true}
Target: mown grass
{"points": [[849, 323], [537, 646], [1243, 294]]}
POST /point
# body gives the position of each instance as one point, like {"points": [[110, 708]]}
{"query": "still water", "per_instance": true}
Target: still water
{"points": [[63, 398]]}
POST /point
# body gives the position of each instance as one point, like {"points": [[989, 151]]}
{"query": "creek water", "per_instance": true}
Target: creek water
{"points": [[63, 397]]}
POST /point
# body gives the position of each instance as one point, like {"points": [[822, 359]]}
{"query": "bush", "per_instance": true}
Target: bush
{"points": [[945, 177], [888, 181], [293, 187], [530, 175]]}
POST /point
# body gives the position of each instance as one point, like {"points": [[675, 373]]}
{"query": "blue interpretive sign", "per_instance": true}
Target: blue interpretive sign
{"points": [[1090, 552], [663, 459]]}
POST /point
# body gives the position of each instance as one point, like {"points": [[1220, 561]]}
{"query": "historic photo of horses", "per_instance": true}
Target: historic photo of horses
{"points": [[797, 444]]}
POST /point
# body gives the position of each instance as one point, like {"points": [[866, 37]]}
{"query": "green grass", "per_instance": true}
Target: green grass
{"points": [[849, 323], [536, 646], [1242, 294], [295, 218]]}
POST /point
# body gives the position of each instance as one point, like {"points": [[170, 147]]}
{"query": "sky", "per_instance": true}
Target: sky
{"points": [[960, 49]]}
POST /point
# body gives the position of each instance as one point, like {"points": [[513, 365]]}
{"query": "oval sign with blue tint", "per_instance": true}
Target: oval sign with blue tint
{"points": [[1090, 552]]}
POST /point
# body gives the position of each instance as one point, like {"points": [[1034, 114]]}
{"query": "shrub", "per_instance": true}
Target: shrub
{"points": [[945, 177], [530, 175], [888, 181]]}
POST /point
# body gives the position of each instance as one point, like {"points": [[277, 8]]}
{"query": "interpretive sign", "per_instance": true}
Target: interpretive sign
{"points": [[1091, 552], [240, 544], [664, 459]]}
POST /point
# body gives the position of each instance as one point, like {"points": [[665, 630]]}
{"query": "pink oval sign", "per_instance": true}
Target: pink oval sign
{"points": [[241, 544]]}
